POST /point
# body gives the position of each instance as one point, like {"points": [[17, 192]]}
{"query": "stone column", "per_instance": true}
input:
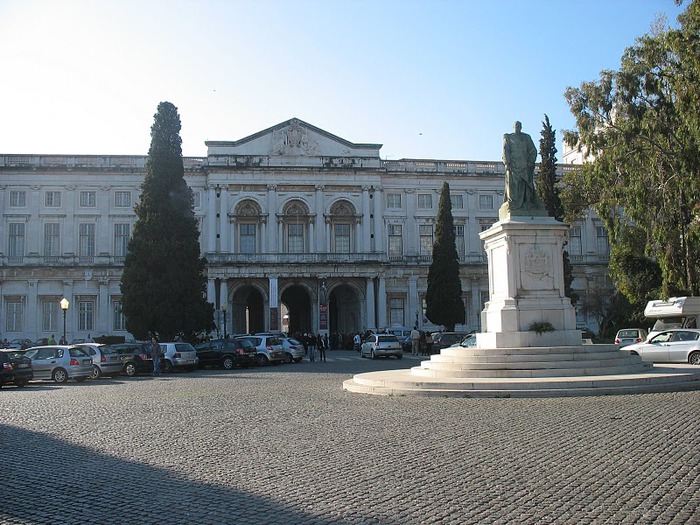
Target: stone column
{"points": [[223, 299], [321, 232], [103, 311], [413, 301], [369, 301], [381, 303], [269, 244], [32, 314], [379, 221], [210, 219], [224, 225], [365, 246]]}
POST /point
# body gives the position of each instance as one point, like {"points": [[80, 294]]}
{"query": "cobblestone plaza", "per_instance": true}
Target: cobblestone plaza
{"points": [[287, 445]]}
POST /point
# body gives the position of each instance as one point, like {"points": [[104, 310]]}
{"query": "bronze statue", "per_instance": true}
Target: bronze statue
{"points": [[519, 155]]}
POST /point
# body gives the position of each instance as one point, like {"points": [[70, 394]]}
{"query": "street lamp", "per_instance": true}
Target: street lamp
{"points": [[224, 307], [64, 306]]}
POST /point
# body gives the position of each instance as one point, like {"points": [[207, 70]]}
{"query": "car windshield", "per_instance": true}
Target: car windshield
{"points": [[667, 323], [387, 339]]}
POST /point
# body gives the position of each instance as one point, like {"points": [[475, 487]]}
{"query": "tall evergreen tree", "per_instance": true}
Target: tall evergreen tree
{"points": [[444, 305], [163, 282], [548, 192]]}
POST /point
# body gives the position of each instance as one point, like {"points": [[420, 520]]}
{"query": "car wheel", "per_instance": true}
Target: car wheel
{"points": [[168, 367], [130, 369], [262, 359], [96, 372], [60, 376], [287, 358], [373, 355], [80, 379], [694, 358], [228, 363]]}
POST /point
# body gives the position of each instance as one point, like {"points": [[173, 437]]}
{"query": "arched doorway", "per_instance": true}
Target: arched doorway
{"points": [[298, 304], [247, 311], [345, 309]]}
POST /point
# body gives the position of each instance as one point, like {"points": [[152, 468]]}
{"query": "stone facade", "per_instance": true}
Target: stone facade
{"points": [[302, 231]]}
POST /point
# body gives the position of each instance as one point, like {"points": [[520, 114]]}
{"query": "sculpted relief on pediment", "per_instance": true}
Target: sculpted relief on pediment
{"points": [[293, 140]]}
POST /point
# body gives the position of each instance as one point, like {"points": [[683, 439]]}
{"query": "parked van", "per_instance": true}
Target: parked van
{"points": [[677, 312]]}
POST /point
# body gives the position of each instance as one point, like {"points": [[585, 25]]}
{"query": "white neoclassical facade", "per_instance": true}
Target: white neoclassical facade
{"points": [[302, 230]]}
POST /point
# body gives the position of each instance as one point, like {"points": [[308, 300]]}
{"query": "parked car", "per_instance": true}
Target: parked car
{"points": [[136, 358], [444, 339], [293, 349], [178, 356], [670, 346], [105, 361], [381, 345], [468, 341], [20, 344], [268, 347], [227, 353], [630, 336], [15, 368], [60, 363], [406, 343]]}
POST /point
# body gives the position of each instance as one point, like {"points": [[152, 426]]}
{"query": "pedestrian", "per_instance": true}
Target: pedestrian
{"points": [[52, 340], [321, 348], [63, 341], [421, 343], [155, 355], [415, 340], [312, 347], [429, 343], [357, 340]]}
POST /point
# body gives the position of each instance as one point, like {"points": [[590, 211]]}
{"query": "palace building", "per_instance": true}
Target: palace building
{"points": [[302, 231]]}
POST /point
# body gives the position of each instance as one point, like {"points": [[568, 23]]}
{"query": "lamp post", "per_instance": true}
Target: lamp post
{"points": [[224, 307], [64, 306]]}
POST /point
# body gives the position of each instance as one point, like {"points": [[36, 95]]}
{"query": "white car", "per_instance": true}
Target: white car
{"points": [[381, 345], [670, 346], [629, 336]]}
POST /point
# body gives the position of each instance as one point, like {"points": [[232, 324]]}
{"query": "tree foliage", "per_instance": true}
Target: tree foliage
{"points": [[640, 125], [163, 282], [444, 305], [548, 191]]}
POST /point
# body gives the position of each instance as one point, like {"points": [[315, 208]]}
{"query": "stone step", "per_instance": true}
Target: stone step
{"points": [[514, 370], [565, 359], [581, 350]]}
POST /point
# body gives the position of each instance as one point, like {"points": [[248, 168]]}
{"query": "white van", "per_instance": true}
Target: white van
{"points": [[677, 312]]}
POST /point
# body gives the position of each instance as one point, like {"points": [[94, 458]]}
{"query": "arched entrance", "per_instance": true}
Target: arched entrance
{"points": [[298, 304], [247, 311], [345, 309]]}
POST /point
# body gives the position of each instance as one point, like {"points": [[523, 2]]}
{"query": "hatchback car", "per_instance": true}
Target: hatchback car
{"points": [[60, 363], [227, 353], [670, 346], [136, 358], [293, 349], [268, 347], [629, 336], [381, 345], [444, 339], [178, 356], [105, 361], [15, 368]]}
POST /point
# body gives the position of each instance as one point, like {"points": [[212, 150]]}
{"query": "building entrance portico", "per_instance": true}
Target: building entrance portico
{"points": [[247, 312], [297, 300], [345, 309]]}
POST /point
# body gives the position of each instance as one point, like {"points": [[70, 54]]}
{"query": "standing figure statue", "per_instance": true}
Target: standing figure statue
{"points": [[519, 155]]}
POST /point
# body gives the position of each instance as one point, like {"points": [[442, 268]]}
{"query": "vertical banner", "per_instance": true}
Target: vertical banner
{"points": [[323, 317], [274, 304]]}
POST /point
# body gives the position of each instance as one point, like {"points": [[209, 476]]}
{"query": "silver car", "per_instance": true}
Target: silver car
{"points": [[671, 346], [105, 361], [268, 347], [381, 345], [178, 355], [60, 363], [293, 349]]}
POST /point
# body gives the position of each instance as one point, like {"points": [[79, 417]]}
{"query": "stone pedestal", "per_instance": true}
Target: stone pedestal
{"points": [[526, 285]]}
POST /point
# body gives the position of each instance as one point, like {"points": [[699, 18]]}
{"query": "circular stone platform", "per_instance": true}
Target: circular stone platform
{"points": [[528, 372]]}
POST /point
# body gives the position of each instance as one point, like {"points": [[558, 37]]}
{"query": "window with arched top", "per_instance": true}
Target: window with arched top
{"points": [[248, 217], [342, 219], [296, 219]]}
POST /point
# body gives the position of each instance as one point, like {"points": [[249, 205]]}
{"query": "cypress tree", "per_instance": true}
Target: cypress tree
{"points": [[444, 305], [163, 284]]}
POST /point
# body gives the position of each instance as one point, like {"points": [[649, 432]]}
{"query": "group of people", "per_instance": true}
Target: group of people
{"points": [[421, 341], [313, 342]]}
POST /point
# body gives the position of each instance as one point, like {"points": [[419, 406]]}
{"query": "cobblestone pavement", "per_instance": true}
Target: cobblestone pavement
{"points": [[287, 445]]}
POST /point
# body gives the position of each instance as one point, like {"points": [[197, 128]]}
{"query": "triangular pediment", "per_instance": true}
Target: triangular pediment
{"points": [[293, 138]]}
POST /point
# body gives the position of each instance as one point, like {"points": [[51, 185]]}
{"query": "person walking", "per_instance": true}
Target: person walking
{"points": [[52, 340], [312, 347], [429, 343], [155, 355], [357, 341], [421, 343], [321, 348], [415, 340]]}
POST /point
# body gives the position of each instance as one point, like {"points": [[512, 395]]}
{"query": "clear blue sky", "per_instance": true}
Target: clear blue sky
{"points": [[441, 79]]}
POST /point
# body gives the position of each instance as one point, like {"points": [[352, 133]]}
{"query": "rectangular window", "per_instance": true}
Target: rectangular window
{"points": [[52, 199], [247, 238], [13, 316], [122, 199], [197, 195], [87, 240], [574, 247], [295, 238], [341, 238], [49, 316], [459, 240], [52, 239], [457, 202], [393, 200], [86, 316], [16, 238], [486, 202], [395, 240], [87, 199], [18, 199], [425, 201], [118, 319], [602, 240], [121, 239], [396, 311], [425, 232]]}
